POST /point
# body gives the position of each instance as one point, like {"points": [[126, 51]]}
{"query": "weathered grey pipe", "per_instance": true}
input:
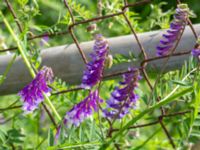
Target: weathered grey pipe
{"points": [[67, 64]]}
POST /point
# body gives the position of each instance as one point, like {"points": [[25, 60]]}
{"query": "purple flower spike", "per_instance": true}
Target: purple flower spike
{"points": [[32, 94], [83, 110], [176, 28], [94, 69], [196, 50], [123, 97]]}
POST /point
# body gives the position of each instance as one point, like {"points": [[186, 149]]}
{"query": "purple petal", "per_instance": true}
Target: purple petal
{"points": [[84, 109], [94, 69], [123, 97], [32, 94]]}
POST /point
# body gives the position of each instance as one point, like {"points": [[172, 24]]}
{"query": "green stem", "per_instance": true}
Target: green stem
{"points": [[19, 46], [7, 69], [52, 107], [26, 61]]}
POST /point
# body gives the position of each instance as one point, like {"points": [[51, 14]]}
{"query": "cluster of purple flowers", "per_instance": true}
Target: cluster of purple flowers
{"points": [[92, 75], [123, 98], [196, 49], [176, 28], [84, 109], [32, 94], [94, 69]]}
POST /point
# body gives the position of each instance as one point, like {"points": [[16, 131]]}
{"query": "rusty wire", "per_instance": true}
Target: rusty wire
{"points": [[142, 67]]}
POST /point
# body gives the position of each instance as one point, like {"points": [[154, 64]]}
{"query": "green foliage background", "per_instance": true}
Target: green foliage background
{"points": [[37, 132]]}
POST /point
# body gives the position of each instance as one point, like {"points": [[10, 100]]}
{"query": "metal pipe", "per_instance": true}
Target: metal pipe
{"points": [[67, 64]]}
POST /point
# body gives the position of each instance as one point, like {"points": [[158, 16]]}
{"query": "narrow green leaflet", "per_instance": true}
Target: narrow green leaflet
{"points": [[50, 137]]}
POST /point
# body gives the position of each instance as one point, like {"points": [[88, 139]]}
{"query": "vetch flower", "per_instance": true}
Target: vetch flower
{"points": [[176, 28], [32, 94], [94, 69], [196, 49], [83, 110], [123, 98]]}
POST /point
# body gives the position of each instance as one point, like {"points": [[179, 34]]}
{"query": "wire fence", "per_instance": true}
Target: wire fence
{"points": [[142, 66]]}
